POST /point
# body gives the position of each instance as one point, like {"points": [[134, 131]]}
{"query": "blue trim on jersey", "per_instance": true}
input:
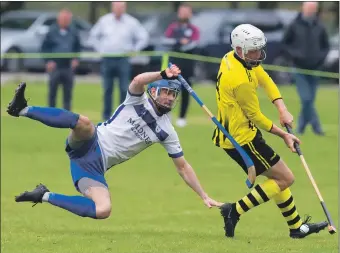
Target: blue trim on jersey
{"points": [[135, 95], [154, 107], [151, 122], [180, 154], [119, 109]]}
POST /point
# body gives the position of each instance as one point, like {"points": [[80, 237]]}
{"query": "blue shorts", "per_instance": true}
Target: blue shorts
{"points": [[86, 161]]}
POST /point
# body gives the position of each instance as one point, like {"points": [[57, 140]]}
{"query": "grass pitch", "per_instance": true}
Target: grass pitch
{"points": [[153, 209]]}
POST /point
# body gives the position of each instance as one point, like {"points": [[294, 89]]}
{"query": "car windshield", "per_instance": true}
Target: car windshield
{"points": [[264, 27], [17, 23], [156, 25]]}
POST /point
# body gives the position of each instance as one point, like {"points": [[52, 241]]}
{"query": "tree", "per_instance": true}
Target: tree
{"points": [[268, 5], [176, 5], [11, 6], [320, 9], [234, 5], [336, 12], [92, 12]]}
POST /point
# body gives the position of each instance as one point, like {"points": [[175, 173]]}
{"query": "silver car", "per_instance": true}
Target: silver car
{"points": [[24, 32]]}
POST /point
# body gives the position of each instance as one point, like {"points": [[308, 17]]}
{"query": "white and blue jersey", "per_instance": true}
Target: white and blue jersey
{"points": [[134, 126]]}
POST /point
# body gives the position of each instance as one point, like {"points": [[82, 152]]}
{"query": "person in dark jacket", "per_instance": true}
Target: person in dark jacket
{"points": [[61, 38], [182, 36], [306, 44]]}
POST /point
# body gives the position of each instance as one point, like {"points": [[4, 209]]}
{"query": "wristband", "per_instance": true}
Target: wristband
{"points": [[164, 76]]}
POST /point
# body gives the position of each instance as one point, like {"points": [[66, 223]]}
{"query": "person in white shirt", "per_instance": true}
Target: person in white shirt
{"points": [[139, 122], [117, 33]]}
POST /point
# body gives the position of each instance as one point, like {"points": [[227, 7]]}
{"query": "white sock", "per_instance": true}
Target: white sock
{"points": [[24, 111], [46, 196]]}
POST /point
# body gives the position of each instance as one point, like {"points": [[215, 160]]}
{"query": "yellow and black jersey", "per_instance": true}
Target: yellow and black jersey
{"points": [[238, 105]]}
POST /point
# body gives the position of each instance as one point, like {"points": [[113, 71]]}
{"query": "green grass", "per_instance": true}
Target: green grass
{"points": [[153, 209]]}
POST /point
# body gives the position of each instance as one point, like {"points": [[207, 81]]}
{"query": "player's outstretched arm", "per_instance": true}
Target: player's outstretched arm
{"points": [[189, 176], [288, 138], [248, 101], [138, 83], [285, 116]]}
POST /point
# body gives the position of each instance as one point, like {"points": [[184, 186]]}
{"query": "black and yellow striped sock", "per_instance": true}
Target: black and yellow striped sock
{"points": [[285, 202], [260, 194]]}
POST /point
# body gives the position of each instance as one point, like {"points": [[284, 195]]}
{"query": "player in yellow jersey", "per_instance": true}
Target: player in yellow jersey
{"points": [[239, 112]]}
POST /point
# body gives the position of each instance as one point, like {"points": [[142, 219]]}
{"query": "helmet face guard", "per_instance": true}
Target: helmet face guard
{"points": [[249, 38], [164, 88], [256, 62]]}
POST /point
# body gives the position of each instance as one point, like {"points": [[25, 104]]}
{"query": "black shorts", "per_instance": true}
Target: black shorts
{"points": [[259, 152]]}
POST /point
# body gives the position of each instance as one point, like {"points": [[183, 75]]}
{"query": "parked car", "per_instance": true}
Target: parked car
{"points": [[286, 16], [216, 25], [24, 32], [155, 23], [331, 63], [332, 59]]}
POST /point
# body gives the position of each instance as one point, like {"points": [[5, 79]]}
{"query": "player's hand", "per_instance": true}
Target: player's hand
{"points": [[289, 140], [209, 202], [286, 118], [173, 71]]}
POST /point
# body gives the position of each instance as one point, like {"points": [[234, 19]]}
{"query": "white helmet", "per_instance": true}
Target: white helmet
{"points": [[249, 37]]}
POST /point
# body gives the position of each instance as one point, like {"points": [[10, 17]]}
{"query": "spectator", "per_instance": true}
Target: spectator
{"points": [[182, 36], [117, 33], [61, 38], [306, 43]]}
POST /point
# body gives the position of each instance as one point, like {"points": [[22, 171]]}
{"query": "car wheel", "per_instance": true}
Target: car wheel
{"points": [[14, 64]]}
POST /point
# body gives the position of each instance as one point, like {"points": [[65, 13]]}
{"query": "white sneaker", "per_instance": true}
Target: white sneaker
{"points": [[181, 122]]}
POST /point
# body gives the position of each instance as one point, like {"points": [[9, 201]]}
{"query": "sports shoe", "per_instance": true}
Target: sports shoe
{"points": [[230, 216], [307, 228], [34, 196], [320, 133], [18, 102], [181, 122]]}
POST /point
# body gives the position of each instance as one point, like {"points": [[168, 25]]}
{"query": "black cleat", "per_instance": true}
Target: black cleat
{"points": [[18, 102], [34, 196], [307, 229], [230, 216]]}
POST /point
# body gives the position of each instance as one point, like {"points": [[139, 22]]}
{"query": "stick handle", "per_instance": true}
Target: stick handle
{"points": [[296, 145], [328, 215], [249, 163], [318, 193]]}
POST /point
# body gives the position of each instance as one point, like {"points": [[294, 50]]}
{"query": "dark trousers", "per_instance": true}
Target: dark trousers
{"points": [[64, 77], [307, 88], [187, 71], [111, 68]]}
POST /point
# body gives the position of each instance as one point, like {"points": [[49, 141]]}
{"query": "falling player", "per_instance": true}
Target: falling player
{"points": [[135, 125]]}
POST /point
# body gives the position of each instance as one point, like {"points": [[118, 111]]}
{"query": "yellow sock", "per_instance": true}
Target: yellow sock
{"points": [[285, 202], [260, 194]]}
